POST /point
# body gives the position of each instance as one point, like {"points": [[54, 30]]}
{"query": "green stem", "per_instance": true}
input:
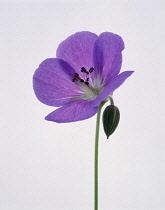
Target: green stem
{"points": [[111, 100], [96, 156]]}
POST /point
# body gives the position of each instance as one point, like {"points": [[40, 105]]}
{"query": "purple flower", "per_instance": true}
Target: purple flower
{"points": [[85, 72]]}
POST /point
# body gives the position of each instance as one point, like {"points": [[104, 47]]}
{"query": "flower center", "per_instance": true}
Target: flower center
{"points": [[90, 87], [78, 78]]}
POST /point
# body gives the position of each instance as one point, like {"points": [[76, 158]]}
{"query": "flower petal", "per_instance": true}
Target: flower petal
{"points": [[74, 111], [113, 85], [107, 55], [52, 82], [77, 50]]}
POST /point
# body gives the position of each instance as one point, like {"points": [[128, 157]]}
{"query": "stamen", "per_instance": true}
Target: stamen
{"points": [[74, 79], [83, 69], [78, 78], [90, 87], [91, 70]]}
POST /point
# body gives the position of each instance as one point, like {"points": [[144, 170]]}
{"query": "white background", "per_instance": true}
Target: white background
{"points": [[49, 166]]}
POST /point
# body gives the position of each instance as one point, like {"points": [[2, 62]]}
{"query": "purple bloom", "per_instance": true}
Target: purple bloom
{"points": [[85, 72]]}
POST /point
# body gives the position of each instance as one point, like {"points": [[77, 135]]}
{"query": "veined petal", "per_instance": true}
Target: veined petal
{"points": [[52, 82], [77, 50], [111, 86], [107, 55], [72, 112]]}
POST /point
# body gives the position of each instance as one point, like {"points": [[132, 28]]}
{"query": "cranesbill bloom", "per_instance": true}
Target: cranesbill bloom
{"points": [[85, 72]]}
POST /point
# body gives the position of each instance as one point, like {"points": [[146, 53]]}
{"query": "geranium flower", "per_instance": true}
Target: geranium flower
{"points": [[85, 72]]}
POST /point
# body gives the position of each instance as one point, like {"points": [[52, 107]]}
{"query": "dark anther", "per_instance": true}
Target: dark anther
{"points": [[78, 78], [91, 70], [74, 79], [83, 69]]}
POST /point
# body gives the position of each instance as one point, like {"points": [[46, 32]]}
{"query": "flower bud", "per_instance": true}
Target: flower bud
{"points": [[111, 117]]}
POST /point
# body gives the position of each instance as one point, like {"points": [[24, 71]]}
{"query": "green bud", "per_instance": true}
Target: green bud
{"points": [[111, 117]]}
